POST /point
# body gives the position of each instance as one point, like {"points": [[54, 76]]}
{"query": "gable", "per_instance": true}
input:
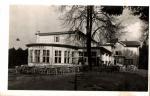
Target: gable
{"points": [[119, 46]]}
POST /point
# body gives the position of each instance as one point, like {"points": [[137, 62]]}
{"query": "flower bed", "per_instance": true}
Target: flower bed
{"points": [[52, 70]]}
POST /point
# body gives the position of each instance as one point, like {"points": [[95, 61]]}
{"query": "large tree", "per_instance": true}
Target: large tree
{"points": [[143, 13], [95, 19]]}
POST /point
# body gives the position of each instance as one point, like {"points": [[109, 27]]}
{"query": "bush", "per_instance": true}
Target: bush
{"points": [[110, 69], [46, 70], [131, 68]]}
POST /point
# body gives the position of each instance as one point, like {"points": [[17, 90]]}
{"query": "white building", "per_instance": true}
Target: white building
{"points": [[61, 48], [127, 52], [67, 48]]}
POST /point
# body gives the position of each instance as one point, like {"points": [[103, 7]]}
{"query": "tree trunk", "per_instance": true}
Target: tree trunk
{"points": [[88, 30]]}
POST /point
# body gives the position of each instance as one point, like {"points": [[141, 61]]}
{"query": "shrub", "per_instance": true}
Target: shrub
{"points": [[46, 70]]}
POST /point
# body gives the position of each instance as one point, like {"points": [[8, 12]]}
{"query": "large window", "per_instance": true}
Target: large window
{"points": [[46, 56], [31, 56], [37, 56], [57, 39], [57, 56], [82, 57], [66, 56]]}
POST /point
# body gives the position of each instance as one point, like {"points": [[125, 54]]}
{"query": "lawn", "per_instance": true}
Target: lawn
{"points": [[92, 81]]}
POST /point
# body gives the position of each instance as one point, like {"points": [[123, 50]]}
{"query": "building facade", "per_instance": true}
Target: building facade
{"points": [[127, 52], [63, 48], [68, 48]]}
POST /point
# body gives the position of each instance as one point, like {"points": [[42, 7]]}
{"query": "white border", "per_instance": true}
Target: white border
{"points": [[4, 40]]}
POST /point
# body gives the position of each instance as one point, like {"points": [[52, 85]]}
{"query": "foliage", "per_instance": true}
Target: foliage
{"points": [[51, 70], [142, 11], [143, 59], [90, 20], [17, 57], [103, 21]]}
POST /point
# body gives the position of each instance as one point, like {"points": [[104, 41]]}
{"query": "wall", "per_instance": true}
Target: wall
{"points": [[68, 39], [52, 54], [132, 53], [128, 52]]}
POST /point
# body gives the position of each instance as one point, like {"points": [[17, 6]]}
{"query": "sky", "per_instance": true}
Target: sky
{"points": [[26, 20]]}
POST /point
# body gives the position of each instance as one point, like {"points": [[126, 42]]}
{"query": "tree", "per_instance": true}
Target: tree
{"points": [[17, 57], [95, 19], [143, 13]]}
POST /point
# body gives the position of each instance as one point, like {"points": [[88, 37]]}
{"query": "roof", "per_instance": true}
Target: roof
{"points": [[50, 44], [66, 46], [108, 44], [131, 43], [55, 33]]}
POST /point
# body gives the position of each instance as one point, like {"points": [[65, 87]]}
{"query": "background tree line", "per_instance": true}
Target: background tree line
{"points": [[17, 57]]}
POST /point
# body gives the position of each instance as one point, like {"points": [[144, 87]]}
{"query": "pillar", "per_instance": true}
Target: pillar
{"points": [[41, 56], [62, 56]]}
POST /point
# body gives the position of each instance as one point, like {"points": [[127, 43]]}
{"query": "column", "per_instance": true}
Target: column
{"points": [[33, 55], [29, 59], [104, 58], [76, 56], [62, 56], [70, 57], [41, 56]]}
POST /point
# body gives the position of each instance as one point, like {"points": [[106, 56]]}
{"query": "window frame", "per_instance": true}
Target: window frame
{"points": [[66, 56], [57, 39], [31, 56], [37, 56], [46, 55], [58, 54]]}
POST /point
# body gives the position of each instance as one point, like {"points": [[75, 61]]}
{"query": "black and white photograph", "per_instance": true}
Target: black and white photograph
{"points": [[78, 48]]}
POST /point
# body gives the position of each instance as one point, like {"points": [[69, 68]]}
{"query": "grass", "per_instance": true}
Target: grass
{"points": [[92, 81]]}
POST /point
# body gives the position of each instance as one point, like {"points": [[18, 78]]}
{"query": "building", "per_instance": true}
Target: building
{"points": [[68, 48], [127, 52], [63, 48]]}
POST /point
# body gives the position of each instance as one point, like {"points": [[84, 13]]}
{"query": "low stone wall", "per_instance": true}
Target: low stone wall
{"points": [[51, 70]]}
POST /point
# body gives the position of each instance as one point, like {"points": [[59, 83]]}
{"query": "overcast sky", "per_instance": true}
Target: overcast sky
{"points": [[26, 20]]}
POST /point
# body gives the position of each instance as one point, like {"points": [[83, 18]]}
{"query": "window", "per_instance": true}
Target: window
{"points": [[118, 52], [80, 54], [31, 56], [129, 61], [93, 54], [46, 56], [73, 57], [57, 56], [81, 59], [85, 54], [56, 39], [37, 56], [66, 56], [93, 58]]}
